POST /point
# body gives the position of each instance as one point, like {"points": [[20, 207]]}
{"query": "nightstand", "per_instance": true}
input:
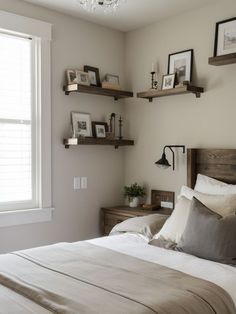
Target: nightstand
{"points": [[111, 216]]}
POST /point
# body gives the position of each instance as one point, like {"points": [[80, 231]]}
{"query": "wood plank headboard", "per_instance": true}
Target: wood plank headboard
{"points": [[216, 163]]}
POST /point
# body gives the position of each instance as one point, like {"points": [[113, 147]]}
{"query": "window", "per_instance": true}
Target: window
{"points": [[18, 134], [25, 120]]}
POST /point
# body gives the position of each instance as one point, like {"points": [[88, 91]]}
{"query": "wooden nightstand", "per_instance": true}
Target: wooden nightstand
{"points": [[111, 216]]}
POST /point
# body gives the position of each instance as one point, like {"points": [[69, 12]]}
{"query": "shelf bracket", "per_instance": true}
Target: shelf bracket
{"points": [[150, 99], [198, 95], [67, 146]]}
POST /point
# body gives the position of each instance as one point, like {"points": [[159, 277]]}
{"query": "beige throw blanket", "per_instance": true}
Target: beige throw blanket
{"points": [[89, 279]]}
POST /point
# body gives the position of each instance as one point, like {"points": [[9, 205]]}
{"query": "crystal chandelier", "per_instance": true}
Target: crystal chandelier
{"points": [[104, 5]]}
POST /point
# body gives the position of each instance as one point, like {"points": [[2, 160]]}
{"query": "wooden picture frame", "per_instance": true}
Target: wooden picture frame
{"points": [[168, 81], [225, 37], [97, 128], [83, 78], [94, 76], [81, 124], [181, 63]]}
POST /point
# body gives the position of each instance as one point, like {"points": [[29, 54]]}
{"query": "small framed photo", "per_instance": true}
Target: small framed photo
{"points": [[83, 78], [71, 76], [94, 76], [112, 79], [168, 81], [225, 37], [181, 63], [99, 129], [81, 124]]}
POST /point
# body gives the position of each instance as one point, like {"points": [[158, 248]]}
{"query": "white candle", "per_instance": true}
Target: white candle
{"points": [[152, 67]]}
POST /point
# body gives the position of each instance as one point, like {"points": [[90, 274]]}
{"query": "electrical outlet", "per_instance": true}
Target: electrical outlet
{"points": [[76, 183], [84, 183], [167, 205]]}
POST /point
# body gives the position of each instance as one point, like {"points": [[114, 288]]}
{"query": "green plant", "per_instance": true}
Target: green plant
{"points": [[134, 190]]}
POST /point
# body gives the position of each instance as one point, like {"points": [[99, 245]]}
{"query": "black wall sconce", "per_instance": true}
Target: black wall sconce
{"points": [[163, 162]]}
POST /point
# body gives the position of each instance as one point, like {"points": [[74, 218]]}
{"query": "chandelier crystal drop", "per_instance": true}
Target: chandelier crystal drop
{"points": [[102, 5]]}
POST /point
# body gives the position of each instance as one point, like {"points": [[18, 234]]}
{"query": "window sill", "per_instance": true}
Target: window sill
{"points": [[25, 216]]}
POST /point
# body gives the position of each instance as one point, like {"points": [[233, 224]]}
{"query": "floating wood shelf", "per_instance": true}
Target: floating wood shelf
{"points": [[96, 141], [223, 60], [186, 89], [117, 94]]}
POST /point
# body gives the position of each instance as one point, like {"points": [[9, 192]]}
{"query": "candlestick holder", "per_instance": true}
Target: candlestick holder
{"points": [[154, 82]]}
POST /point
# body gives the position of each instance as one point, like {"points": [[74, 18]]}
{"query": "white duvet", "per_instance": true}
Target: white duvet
{"points": [[135, 245]]}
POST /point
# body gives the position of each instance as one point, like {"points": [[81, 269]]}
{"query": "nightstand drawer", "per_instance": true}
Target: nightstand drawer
{"points": [[113, 219]]}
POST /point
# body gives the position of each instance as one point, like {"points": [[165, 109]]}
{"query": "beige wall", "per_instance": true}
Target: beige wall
{"points": [[76, 214], [205, 122]]}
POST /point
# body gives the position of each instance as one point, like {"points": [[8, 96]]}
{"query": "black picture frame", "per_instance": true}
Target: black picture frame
{"points": [[171, 55], [217, 33], [89, 69], [94, 123]]}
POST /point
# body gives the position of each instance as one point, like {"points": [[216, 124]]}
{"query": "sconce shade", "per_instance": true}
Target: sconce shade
{"points": [[163, 162]]}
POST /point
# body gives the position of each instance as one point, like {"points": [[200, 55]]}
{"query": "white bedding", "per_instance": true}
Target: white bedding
{"points": [[135, 245]]}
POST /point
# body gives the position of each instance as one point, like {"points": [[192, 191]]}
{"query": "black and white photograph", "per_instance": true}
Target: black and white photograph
{"points": [[180, 63], [168, 81], [99, 129], [81, 124], [72, 77], [83, 78], [112, 79], [225, 37], [93, 74]]}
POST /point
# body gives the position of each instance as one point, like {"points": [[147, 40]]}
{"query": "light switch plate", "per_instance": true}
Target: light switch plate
{"points": [[76, 183], [84, 182]]}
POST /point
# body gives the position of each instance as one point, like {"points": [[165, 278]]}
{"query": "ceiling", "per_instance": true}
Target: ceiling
{"points": [[131, 15]]}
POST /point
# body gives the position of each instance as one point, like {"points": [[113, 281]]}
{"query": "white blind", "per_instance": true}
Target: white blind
{"points": [[16, 149]]}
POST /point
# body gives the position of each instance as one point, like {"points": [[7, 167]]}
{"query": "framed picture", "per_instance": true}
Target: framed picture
{"points": [[225, 37], [181, 63], [168, 81], [81, 124], [99, 129], [112, 79], [83, 78], [93, 75], [71, 76]]}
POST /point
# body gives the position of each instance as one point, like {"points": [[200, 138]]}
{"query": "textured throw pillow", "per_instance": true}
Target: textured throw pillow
{"points": [[221, 204], [175, 225], [145, 225], [209, 235], [209, 185]]}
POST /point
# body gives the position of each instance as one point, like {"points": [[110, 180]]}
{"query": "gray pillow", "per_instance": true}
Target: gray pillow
{"points": [[209, 235]]}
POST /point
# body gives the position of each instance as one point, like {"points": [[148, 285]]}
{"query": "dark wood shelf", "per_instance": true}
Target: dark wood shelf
{"points": [[186, 89], [96, 141], [117, 94], [223, 60]]}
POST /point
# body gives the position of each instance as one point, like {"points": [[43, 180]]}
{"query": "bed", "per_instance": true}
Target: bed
{"points": [[122, 273]]}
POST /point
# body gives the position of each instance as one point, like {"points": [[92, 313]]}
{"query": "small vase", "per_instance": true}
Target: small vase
{"points": [[134, 202]]}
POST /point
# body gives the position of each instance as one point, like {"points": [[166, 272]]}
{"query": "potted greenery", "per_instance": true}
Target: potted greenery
{"points": [[133, 192]]}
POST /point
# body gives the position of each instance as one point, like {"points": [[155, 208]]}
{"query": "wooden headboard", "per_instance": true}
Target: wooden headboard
{"points": [[216, 163]]}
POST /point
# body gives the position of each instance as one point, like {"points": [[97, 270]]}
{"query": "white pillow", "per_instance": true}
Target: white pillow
{"points": [[175, 225], [209, 185], [222, 204]]}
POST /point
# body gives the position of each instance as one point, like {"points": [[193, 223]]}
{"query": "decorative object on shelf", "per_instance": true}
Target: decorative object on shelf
{"points": [[105, 5], [181, 63], [225, 37], [112, 79], [99, 129], [168, 81], [163, 162], [120, 128], [107, 85], [82, 78], [134, 192], [94, 76], [112, 126], [71, 76], [81, 124]]}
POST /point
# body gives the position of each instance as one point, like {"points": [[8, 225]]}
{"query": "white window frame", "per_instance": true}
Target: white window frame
{"points": [[40, 32]]}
